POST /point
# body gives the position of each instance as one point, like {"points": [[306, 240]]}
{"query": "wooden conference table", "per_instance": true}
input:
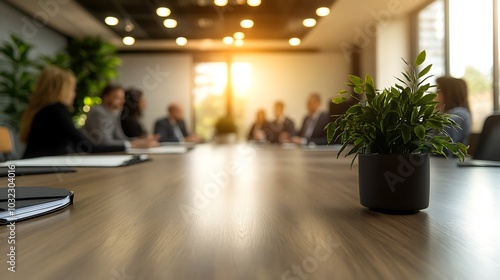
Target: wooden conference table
{"points": [[249, 212]]}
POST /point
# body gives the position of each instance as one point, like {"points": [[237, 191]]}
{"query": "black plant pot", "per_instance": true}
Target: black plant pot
{"points": [[396, 184]]}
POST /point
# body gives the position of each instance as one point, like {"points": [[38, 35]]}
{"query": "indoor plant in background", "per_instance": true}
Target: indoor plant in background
{"points": [[94, 63], [225, 130], [392, 132], [17, 77]]}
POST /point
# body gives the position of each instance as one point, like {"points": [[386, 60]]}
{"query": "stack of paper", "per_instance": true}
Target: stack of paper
{"points": [[79, 161]]}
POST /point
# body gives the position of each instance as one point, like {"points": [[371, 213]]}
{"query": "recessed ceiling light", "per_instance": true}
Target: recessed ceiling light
{"points": [[220, 3], [170, 23], [323, 11], [239, 43], [128, 40], [228, 40], [163, 12], [111, 21], [239, 35], [253, 3], [294, 41], [309, 22], [246, 23], [181, 41]]}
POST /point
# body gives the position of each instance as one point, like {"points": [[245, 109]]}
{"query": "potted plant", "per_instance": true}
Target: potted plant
{"points": [[225, 130], [392, 132]]}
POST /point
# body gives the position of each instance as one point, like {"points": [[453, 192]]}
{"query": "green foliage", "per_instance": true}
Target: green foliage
{"points": [[94, 63], [92, 60], [17, 77], [401, 119]]}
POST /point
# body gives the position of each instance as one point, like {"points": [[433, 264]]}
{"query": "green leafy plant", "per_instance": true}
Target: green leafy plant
{"points": [[94, 63], [401, 119], [17, 78]]}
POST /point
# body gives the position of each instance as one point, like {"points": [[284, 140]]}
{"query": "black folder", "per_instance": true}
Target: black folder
{"points": [[20, 171], [22, 203]]}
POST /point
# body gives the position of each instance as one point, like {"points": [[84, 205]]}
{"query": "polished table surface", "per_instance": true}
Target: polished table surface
{"points": [[254, 212]]}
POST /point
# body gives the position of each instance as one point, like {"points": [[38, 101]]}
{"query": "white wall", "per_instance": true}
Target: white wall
{"points": [[45, 40], [164, 78], [393, 43], [291, 78]]}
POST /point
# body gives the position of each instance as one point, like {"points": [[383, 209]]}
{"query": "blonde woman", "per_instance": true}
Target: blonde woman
{"points": [[47, 128]]}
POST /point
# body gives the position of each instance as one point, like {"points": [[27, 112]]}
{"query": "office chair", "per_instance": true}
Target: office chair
{"points": [[7, 150], [489, 141]]}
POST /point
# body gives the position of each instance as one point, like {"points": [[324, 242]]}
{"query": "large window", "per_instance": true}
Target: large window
{"points": [[431, 36], [469, 53], [210, 95]]}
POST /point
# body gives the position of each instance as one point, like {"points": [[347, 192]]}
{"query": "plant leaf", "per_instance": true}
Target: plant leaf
{"points": [[339, 100], [426, 99], [420, 131], [355, 80], [424, 71], [420, 58]]}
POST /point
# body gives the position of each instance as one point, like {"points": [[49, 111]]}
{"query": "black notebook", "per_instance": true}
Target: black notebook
{"points": [[31, 202], [20, 171]]}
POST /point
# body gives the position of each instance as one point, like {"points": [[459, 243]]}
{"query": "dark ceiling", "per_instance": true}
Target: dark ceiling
{"points": [[201, 19]]}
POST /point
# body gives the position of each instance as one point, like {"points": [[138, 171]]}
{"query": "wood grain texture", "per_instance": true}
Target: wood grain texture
{"points": [[245, 212]]}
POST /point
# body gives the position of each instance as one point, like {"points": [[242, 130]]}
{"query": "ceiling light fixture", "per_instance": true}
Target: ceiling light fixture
{"points": [[112, 21], [239, 43], [163, 12], [246, 23], [220, 3], [129, 26], [309, 22], [253, 3], [228, 40], [323, 11], [128, 40], [294, 42], [170, 23], [181, 41], [239, 35]]}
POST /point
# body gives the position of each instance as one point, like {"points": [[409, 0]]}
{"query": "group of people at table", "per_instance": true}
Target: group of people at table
{"points": [[47, 127]]}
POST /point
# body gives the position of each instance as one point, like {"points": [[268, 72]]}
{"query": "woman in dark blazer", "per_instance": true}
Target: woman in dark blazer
{"points": [[132, 111]]}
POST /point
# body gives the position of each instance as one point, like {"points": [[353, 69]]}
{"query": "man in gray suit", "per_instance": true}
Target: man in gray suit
{"points": [[103, 125]]}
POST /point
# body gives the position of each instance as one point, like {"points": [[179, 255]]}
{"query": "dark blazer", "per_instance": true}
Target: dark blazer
{"points": [[165, 129], [132, 127], [276, 129], [265, 127], [53, 133], [318, 136]]}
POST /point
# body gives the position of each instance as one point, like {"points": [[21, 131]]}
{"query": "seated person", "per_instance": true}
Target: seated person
{"points": [[282, 128], [313, 127], [260, 130], [453, 100], [103, 123], [47, 127], [133, 109], [173, 128]]}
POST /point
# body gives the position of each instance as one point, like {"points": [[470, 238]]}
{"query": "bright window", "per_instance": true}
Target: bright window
{"points": [[471, 54]]}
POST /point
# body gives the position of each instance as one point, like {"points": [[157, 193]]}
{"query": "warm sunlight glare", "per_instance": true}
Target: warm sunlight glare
{"points": [[242, 77]]}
